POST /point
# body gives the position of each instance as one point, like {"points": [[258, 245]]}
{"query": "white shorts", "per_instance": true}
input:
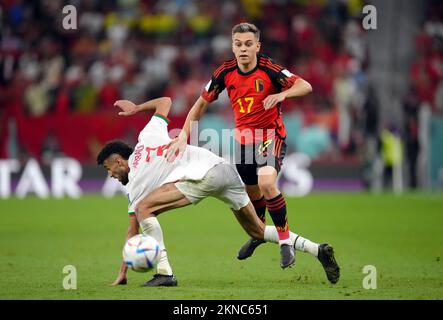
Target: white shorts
{"points": [[221, 182]]}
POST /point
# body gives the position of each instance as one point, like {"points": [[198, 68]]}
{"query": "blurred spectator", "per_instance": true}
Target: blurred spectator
{"points": [[345, 89], [136, 50], [85, 97], [411, 107], [37, 98], [392, 157], [371, 109], [50, 148]]}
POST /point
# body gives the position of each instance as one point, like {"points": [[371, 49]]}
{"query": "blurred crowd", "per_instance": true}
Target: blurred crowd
{"points": [[140, 49], [426, 73], [136, 50], [425, 92]]}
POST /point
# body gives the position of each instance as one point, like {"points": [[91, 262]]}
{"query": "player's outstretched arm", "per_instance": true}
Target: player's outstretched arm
{"points": [[160, 105], [178, 145], [300, 88], [132, 231]]}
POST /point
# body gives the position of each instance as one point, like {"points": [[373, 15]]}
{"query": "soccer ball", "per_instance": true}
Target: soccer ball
{"points": [[141, 253]]}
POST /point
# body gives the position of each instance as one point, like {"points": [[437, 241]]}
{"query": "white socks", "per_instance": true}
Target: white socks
{"points": [[301, 243], [305, 245], [151, 227]]}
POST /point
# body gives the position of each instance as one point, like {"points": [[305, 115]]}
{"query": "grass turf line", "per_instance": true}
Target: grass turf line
{"points": [[400, 236]]}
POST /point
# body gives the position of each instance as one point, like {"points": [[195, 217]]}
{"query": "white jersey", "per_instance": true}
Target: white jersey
{"points": [[149, 168]]}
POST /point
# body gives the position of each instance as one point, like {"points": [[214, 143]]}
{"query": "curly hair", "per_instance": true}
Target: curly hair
{"points": [[114, 147]]}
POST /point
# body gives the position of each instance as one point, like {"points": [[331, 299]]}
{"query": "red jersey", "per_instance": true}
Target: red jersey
{"points": [[247, 92]]}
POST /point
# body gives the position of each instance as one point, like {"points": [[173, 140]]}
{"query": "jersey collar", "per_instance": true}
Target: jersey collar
{"points": [[251, 71]]}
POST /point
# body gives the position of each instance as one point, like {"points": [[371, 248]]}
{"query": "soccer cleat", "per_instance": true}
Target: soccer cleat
{"points": [[326, 257], [287, 256], [160, 280], [248, 248]]}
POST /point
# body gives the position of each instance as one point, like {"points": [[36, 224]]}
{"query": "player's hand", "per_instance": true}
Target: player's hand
{"points": [[121, 280], [272, 100], [176, 148], [128, 107]]}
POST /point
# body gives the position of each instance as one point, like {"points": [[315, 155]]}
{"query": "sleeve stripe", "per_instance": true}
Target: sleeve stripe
{"points": [[218, 70], [131, 213], [274, 67], [268, 63], [224, 66], [158, 115]]}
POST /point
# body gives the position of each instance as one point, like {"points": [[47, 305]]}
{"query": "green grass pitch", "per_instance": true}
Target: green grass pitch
{"points": [[401, 236]]}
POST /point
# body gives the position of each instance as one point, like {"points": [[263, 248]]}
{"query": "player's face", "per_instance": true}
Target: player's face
{"points": [[117, 169], [245, 47]]}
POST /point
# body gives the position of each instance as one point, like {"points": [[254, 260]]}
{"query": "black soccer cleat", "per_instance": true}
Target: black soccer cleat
{"points": [[160, 280], [326, 257], [248, 248], [287, 256]]}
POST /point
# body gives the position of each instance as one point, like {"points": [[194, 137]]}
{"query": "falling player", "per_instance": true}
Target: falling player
{"points": [[155, 185]]}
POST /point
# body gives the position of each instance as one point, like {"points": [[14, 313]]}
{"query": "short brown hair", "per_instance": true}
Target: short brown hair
{"points": [[246, 27]]}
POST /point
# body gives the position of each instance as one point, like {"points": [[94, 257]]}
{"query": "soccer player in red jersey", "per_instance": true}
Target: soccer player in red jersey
{"points": [[256, 87]]}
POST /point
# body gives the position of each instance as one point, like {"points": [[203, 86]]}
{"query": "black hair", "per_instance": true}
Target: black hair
{"points": [[114, 147]]}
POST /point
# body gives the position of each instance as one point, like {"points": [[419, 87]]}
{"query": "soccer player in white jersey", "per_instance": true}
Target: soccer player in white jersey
{"points": [[155, 185]]}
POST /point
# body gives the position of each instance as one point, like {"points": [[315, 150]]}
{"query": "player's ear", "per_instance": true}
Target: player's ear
{"points": [[258, 45], [119, 161]]}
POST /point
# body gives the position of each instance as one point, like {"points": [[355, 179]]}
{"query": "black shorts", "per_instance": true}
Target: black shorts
{"points": [[249, 158]]}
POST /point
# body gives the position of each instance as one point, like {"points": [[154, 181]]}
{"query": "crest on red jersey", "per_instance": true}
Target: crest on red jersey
{"points": [[259, 85]]}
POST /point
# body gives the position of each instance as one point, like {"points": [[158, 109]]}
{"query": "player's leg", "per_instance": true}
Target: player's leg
{"points": [[269, 163], [248, 219], [323, 252], [247, 169], [269, 155], [300, 243], [275, 202], [224, 183], [259, 231], [227, 186], [164, 198], [257, 199], [254, 192], [259, 203]]}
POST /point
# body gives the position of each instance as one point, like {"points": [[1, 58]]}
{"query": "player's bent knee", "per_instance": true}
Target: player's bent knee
{"points": [[143, 211], [268, 188], [254, 192]]}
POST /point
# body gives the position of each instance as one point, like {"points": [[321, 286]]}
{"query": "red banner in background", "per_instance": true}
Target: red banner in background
{"points": [[79, 136]]}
